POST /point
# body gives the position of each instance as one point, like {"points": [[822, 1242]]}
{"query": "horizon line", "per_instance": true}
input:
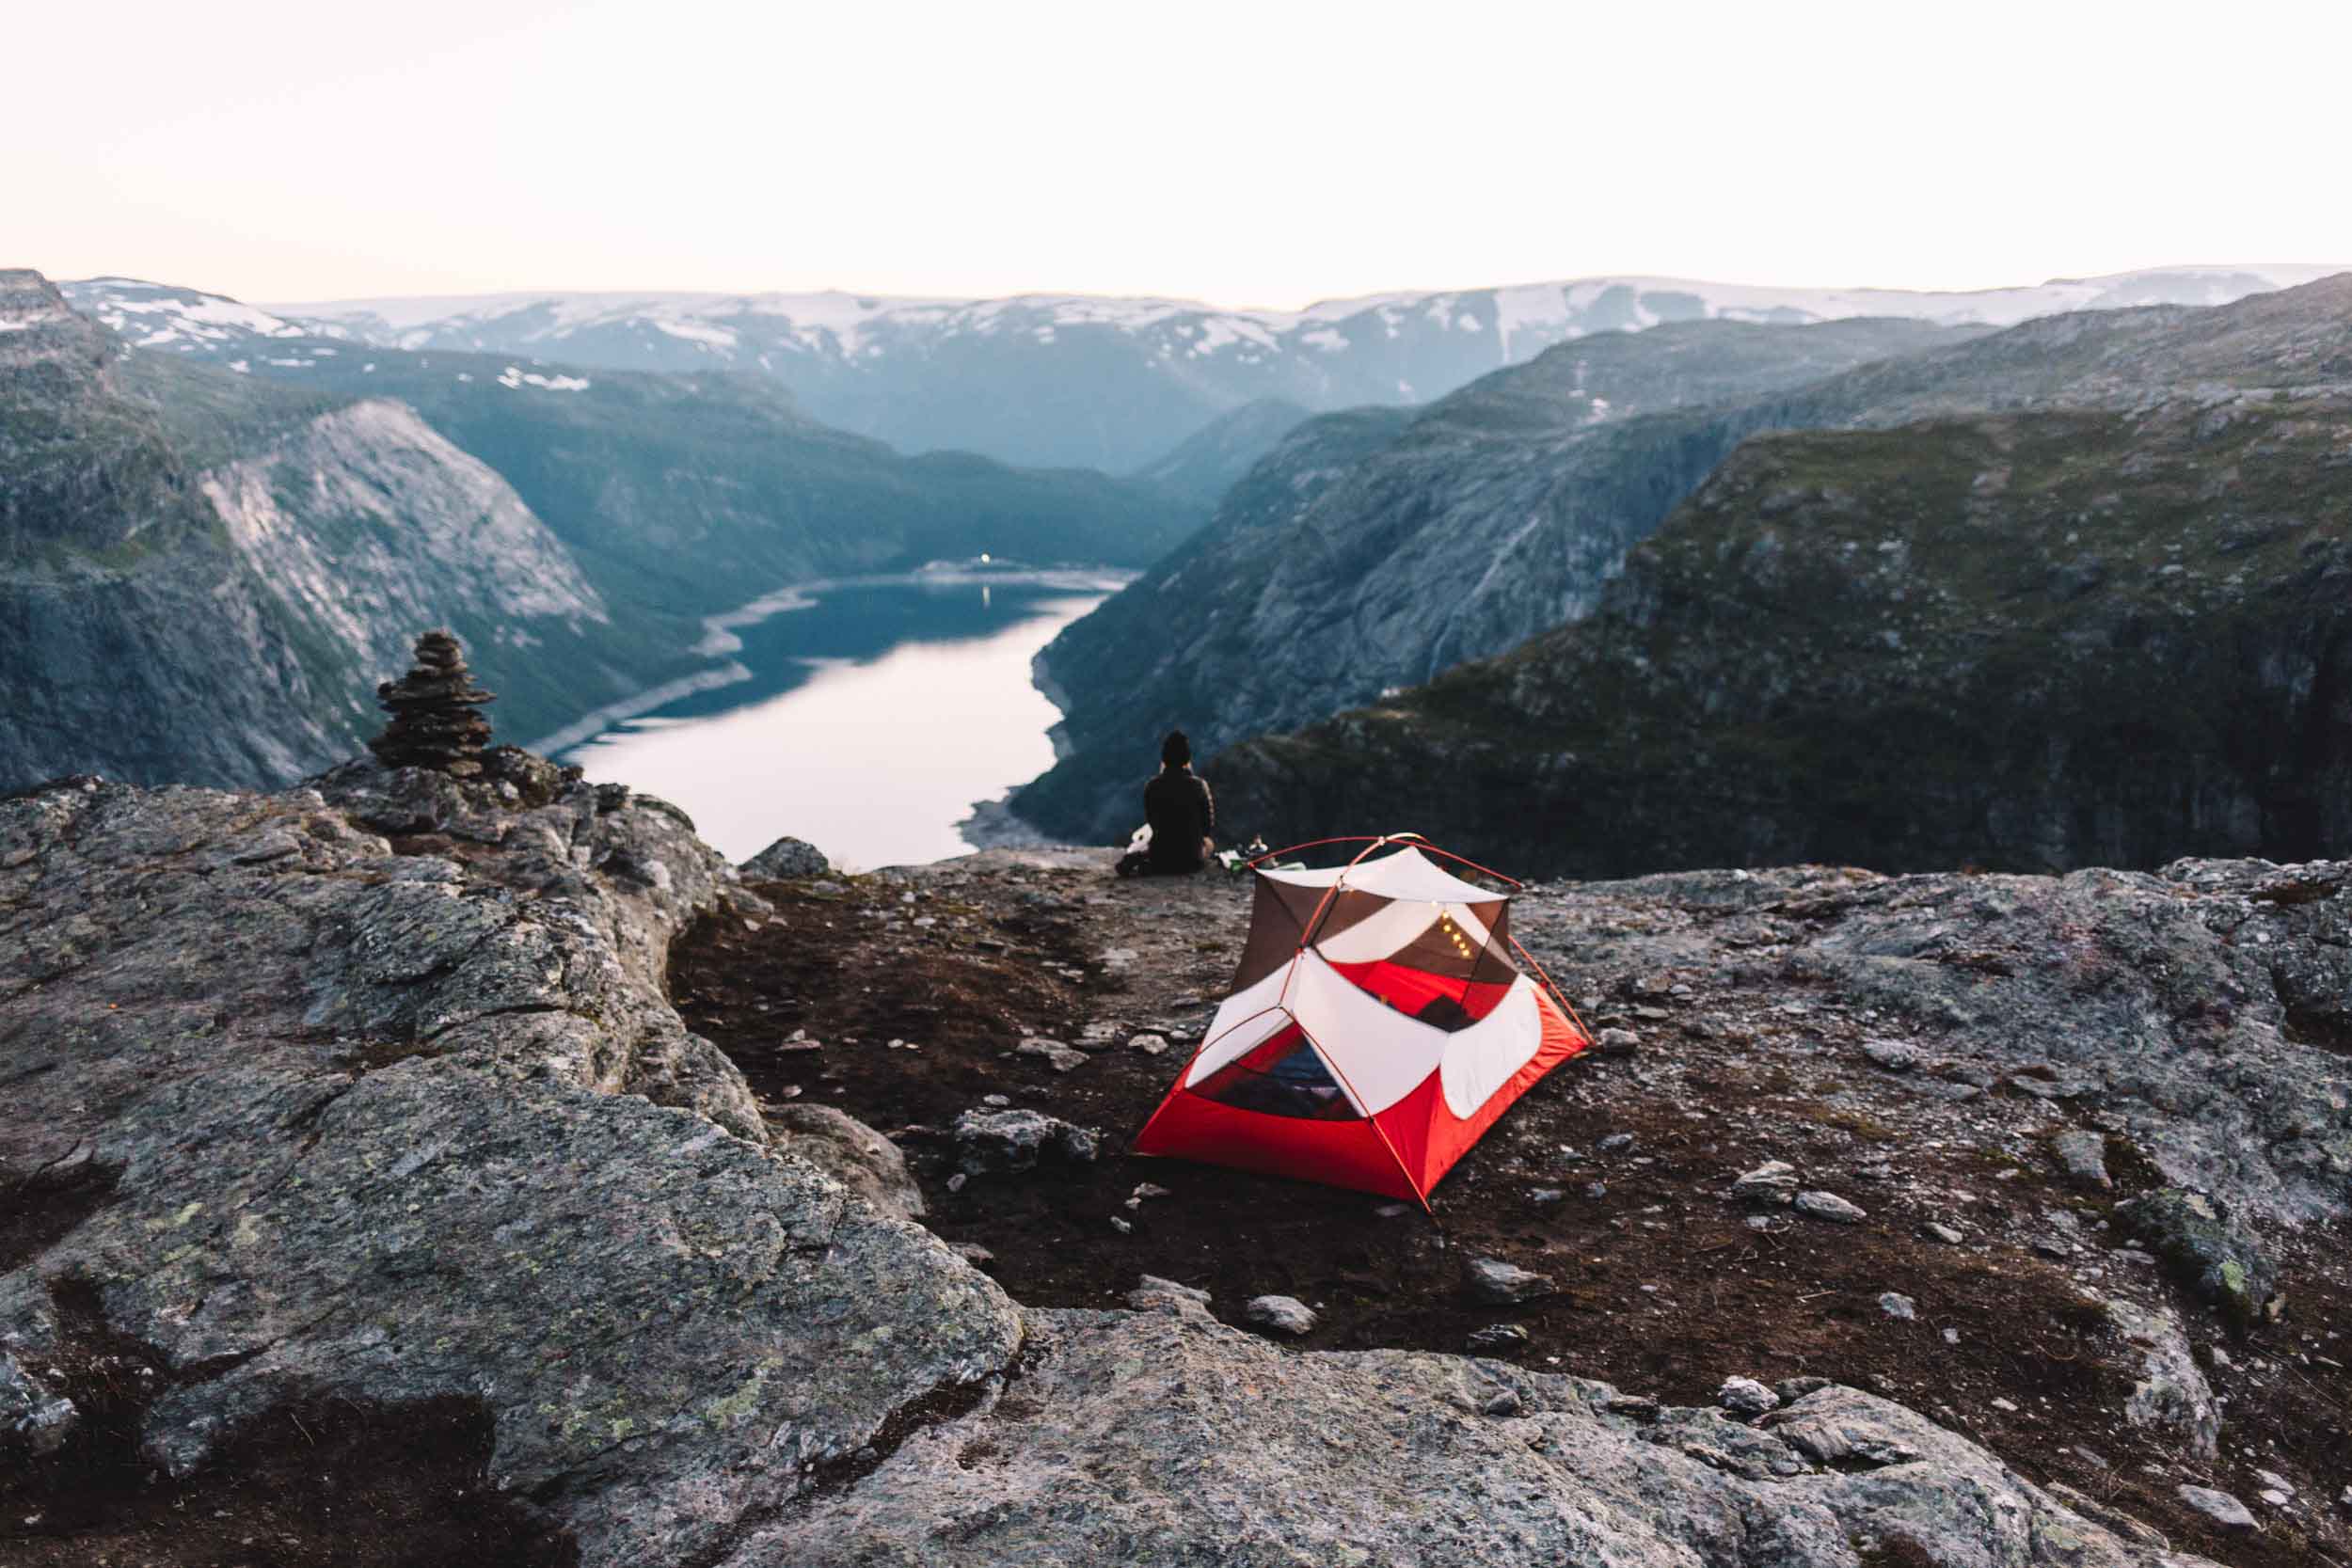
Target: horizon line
{"points": [[350, 301]]}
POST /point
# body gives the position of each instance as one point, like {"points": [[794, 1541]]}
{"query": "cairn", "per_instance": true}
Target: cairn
{"points": [[432, 707]]}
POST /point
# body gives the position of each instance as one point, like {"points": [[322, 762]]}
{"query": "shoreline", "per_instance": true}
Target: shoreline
{"points": [[989, 823], [597, 720], [993, 826], [719, 640]]}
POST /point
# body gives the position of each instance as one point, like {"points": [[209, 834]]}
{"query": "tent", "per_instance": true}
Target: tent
{"points": [[1379, 1024]]}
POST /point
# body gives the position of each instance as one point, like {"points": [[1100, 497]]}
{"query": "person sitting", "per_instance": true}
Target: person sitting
{"points": [[1181, 814]]}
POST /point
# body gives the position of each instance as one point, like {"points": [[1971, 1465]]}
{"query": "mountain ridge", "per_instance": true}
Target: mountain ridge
{"points": [[1098, 381], [1470, 525]]}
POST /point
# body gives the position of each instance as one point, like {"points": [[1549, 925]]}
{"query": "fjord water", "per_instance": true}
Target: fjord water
{"points": [[877, 713]]}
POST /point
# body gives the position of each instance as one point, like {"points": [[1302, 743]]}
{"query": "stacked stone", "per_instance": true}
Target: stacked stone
{"points": [[432, 707]]}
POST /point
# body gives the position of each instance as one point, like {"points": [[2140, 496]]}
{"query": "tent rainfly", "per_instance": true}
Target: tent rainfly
{"points": [[1379, 1023]]}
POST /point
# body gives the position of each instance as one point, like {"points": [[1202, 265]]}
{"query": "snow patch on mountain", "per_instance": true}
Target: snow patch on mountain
{"points": [[1522, 318], [1067, 380], [697, 332], [158, 316], [515, 376]]}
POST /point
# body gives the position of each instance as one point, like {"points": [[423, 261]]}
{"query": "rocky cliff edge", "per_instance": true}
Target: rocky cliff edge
{"points": [[370, 1092]]}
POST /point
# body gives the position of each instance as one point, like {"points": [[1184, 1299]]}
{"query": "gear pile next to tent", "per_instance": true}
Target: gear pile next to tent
{"points": [[1378, 1026]]}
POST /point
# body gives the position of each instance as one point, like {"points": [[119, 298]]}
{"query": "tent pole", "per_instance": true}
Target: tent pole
{"points": [[1465, 860], [1314, 923], [1310, 844], [1553, 986], [1390, 838]]}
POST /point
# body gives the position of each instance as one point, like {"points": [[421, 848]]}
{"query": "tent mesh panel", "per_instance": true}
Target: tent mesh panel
{"points": [[1284, 1077]]}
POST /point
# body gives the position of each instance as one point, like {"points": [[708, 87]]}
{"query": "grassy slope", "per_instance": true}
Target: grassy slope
{"points": [[2018, 641]]}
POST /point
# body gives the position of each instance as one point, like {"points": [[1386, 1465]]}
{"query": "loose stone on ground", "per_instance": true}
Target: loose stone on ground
{"points": [[1829, 1206], [1493, 1280], [1286, 1313]]}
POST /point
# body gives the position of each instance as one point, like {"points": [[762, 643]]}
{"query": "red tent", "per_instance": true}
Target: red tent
{"points": [[1379, 1023]]}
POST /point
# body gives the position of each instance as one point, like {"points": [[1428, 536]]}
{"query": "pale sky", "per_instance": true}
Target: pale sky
{"points": [[1263, 154]]}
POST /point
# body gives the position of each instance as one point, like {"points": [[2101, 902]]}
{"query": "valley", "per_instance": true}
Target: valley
{"points": [[872, 717], [1907, 716], [296, 524], [1345, 559]]}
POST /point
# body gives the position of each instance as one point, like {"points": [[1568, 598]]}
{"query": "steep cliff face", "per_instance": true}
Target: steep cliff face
{"points": [[85, 470], [134, 638], [1442, 548], [1419, 541], [2028, 641], [364, 525], [202, 578], [210, 558], [1119, 673]]}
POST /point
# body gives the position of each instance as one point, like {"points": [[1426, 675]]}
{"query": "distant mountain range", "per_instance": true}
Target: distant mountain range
{"points": [[1067, 380]]}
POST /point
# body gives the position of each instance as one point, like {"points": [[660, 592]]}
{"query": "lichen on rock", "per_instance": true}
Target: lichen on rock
{"points": [[398, 1110], [418, 1122]]}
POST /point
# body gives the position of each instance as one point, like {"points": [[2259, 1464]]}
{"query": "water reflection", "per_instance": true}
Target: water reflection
{"points": [[877, 713]]}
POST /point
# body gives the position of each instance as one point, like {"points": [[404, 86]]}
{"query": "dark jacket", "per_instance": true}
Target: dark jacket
{"points": [[1182, 812]]}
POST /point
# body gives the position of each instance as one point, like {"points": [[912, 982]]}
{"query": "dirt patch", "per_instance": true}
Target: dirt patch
{"points": [[322, 1485], [1660, 1285], [38, 1209], [842, 969]]}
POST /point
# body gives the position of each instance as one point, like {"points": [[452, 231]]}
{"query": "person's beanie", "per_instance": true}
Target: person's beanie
{"points": [[1175, 751]]}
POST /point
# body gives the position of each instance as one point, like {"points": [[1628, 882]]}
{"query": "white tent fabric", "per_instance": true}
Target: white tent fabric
{"points": [[1381, 1055], [1407, 873], [1377, 1052], [1483, 1058], [1394, 928]]}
